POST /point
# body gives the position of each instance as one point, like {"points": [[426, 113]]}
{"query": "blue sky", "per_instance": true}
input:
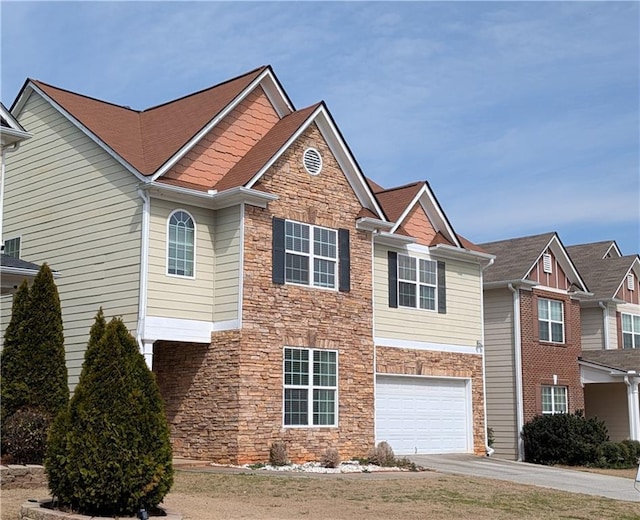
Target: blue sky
{"points": [[523, 117]]}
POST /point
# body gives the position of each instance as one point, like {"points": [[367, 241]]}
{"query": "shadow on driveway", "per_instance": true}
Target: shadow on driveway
{"points": [[595, 484]]}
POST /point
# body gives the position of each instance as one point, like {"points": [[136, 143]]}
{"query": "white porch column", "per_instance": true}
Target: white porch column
{"points": [[147, 351], [634, 406]]}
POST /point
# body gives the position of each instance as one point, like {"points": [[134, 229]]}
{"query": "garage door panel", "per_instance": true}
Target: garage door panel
{"points": [[422, 415]]}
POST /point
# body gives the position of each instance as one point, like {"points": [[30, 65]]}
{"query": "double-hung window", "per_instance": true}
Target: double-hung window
{"points": [[630, 331], [417, 282], [310, 387], [551, 320], [311, 255], [12, 247], [554, 399], [181, 244]]}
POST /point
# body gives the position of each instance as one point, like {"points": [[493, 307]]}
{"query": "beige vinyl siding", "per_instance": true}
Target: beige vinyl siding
{"points": [[77, 209], [461, 325], [181, 297], [500, 371], [591, 321], [227, 274], [608, 402]]}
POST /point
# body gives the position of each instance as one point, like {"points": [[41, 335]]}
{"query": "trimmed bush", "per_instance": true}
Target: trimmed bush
{"points": [[109, 453], [633, 448], [568, 439], [330, 458], [278, 455], [382, 455], [14, 358], [24, 436]]}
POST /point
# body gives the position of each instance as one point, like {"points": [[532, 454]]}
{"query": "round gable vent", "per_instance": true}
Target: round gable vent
{"points": [[312, 161]]}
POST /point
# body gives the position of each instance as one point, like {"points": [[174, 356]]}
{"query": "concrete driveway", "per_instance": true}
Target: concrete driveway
{"points": [[565, 480]]}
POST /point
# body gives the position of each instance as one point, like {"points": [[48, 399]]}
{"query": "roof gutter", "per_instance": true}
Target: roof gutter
{"points": [[454, 252], [506, 283], [211, 199], [373, 224]]}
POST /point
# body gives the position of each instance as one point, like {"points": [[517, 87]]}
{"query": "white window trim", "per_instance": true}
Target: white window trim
{"points": [[417, 283], [310, 388], [553, 399], [312, 256], [550, 321], [195, 241], [632, 332]]}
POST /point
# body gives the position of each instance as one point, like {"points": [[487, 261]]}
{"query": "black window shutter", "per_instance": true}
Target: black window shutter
{"points": [[393, 278], [344, 277], [277, 242], [442, 289]]}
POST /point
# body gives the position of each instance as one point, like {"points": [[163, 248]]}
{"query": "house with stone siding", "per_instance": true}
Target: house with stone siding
{"points": [[610, 358], [276, 292], [532, 296]]}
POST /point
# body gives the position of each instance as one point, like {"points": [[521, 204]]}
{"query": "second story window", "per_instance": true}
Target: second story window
{"points": [[551, 320], [181, 244], [630, 331], [304, 254], [12, 247], [417, 282]]}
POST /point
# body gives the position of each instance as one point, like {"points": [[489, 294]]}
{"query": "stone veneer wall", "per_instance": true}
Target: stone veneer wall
{"points": [[391, 360], [17, 476]]}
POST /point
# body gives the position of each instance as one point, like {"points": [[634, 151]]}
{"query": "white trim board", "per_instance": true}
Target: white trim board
{"points": [[176, 329], [421, 345]]}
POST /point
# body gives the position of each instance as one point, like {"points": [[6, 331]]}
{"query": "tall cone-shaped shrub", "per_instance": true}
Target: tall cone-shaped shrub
{"points": [[115, 456], [14, 359], [46, 371]]}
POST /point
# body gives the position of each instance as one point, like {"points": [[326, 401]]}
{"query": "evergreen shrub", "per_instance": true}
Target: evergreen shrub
{"points": [[109, 454], [24, 436], [569, 439]]}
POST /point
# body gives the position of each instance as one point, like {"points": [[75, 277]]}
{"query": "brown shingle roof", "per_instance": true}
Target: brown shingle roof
{"points": [[514, 257], [253, 161], [147, 139], [394, 201], [626, 359], [602, 275]]}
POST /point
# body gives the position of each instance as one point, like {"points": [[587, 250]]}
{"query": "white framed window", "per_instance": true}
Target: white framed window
{"points": [[554, 399], [181, 244], [551, 320], [12, 247], [417, 282], [311, 255], [630, 331], [310, 387], [631, 281]]}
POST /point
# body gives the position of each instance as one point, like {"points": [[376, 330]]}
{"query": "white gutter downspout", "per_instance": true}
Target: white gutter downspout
{"points": [[605, 329], [146, 347], [631, 380], [489, 450], [517, 357], [3, 158]]}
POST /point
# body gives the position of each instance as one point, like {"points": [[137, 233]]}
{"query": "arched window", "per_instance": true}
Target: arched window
{"points": [[181, 244]]}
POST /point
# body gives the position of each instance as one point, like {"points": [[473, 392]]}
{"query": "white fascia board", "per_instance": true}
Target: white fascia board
{"points": [[213, 200], [336, 145], [212, 124], [518, 284], [563, 259], [432, 209], [422, 345], [9, 136], [275, 93], [373, 224], [392, 240], [615, 248], [602, 373], [635, 268], [14, 124], [81, 127], [447, 251]]}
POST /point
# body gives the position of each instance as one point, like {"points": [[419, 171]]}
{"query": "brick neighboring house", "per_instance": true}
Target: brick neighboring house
{"points": [[610, 358], [533, 335], [275, 291]]}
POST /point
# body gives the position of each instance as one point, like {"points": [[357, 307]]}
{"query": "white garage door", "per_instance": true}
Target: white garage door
{"points": [[423, 415]]}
